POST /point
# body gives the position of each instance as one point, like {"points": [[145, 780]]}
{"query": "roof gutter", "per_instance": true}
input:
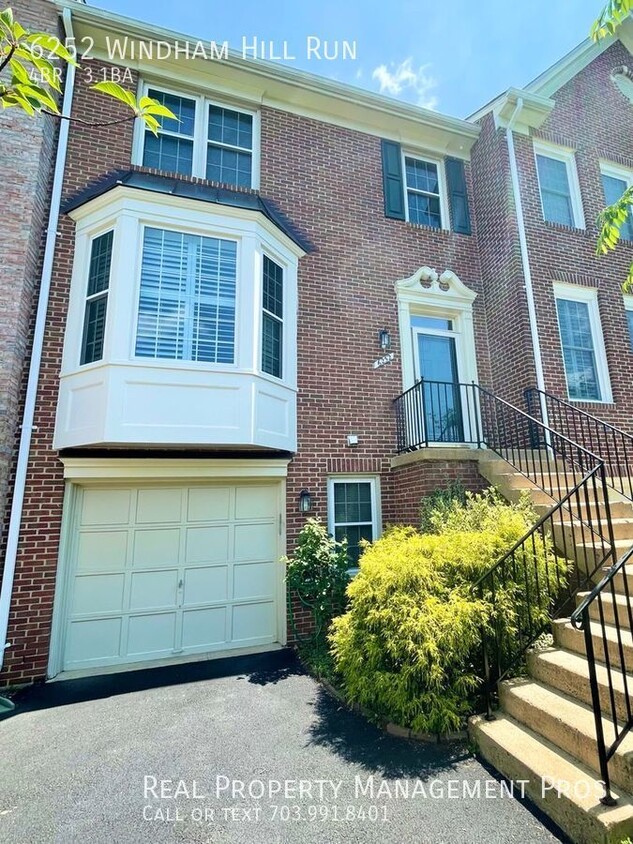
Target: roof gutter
{"points": [[15, 520], [525, 258]]}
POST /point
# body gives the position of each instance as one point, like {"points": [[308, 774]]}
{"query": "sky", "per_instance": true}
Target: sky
{"points": [[453, 57]]}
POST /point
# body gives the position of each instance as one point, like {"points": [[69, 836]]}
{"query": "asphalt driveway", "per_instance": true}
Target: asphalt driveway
{"points": [[243, 750]]}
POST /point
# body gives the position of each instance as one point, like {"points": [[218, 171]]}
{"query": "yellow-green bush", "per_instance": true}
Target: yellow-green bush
{"points": [[408, 648]]}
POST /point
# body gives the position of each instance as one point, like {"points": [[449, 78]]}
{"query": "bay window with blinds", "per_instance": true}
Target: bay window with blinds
{"points": [[181, 327]]}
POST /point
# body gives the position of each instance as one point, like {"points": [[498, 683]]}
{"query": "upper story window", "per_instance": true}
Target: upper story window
{"points": [[186, 306], [628, 307], [424, 194], [272, 318], [97, 298], [172, 149], [230, 152], [558, 184], [582, 343], [208, 140], [614, 182], [422, 189]]}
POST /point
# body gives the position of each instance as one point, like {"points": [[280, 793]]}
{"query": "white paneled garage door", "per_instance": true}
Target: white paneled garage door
{"points": [[170, 570]]}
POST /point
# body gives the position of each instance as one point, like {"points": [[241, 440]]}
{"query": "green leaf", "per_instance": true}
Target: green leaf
{"points": [[6, 16], [47, 72], [113, 89], [52, 44], [20, 73], [151, 123], [159, 110]]}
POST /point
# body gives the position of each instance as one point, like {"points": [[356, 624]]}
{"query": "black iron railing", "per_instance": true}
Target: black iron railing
{"points": [[538, 579], [606, 618], [613, 445]]}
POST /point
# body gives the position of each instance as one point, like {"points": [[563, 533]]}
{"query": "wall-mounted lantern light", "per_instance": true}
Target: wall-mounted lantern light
{"points": [[384, 338], [305, 501]]}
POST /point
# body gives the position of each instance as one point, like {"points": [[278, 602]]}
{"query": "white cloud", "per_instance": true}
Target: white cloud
{"points": [[404, 81]]}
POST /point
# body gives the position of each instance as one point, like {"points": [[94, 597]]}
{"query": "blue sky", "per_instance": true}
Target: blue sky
{"points": [[450, 57]]}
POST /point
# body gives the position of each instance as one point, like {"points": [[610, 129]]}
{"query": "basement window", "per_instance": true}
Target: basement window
{"points": [[353, 512]]}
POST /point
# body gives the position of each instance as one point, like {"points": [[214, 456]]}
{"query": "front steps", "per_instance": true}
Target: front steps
{"points": [[544, 730]]}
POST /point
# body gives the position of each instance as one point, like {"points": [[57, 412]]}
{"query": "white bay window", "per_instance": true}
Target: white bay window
{"points": [[181, 325]]}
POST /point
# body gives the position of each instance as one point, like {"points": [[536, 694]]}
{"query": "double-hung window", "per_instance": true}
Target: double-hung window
{"points": [[187, 298], [582, 344], [97, 298], [558, 184], [208, 140], [172, 149], [424, 192], [272, 318], [628, 309], [614, 182], [353, 512]]}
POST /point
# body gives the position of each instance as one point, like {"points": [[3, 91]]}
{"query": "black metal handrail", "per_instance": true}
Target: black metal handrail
{"points": [[611, 699], [538, 579], [613, 445]]}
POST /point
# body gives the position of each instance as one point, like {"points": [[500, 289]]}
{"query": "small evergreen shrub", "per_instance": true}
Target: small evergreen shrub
{"points": [[441, 500], [409, 647], [317, 573]]}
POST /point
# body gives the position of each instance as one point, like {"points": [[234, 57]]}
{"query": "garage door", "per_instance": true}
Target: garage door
{"points": [[161, 571]]}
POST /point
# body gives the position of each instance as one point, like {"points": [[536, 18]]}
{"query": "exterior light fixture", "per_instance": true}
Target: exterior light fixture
{"points": [[384, 338], [305, 501]]}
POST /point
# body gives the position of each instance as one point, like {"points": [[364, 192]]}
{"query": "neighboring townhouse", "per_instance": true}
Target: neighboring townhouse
{"points": [[236, 304], [28, 148]]}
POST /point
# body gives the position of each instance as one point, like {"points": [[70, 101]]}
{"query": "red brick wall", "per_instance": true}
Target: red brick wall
{"points": [[414, 482], [27, 146]]}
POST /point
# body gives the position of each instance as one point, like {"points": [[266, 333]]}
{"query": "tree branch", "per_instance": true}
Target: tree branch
{"points": [[6, 61], [96, 123]]}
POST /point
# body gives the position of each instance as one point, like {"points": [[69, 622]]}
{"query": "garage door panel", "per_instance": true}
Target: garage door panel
{"points": [[154, 547], [209, 504], [163, 571], [254, 580], [102, 551], [204, 627], [98, 594], [255, 542], [207, 544], [253, 622], [159, 505], [106, 506], [153, 589], [255, 502], [93, 640], [151, 634], [206, 585]]}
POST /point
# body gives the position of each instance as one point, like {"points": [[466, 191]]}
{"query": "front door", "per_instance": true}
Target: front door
{"points": [[436, 359]]}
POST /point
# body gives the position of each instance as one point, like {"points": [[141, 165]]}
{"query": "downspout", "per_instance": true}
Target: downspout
{"points": [[525, 259], [15, 520]]}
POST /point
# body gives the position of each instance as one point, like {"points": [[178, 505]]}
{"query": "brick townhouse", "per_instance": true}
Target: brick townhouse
{"points": [[235, 305]]}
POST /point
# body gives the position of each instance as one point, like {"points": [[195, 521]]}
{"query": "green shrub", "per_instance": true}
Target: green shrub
{"points": [[317, 573], [408, 648], [441, 500]]}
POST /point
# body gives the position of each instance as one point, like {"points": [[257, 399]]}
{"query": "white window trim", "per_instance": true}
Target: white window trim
{"points": [[628, 306], [376, 523], [200, 136], [266, 253], [588, 295], [441, 177], [568, 157], [616, 172]]}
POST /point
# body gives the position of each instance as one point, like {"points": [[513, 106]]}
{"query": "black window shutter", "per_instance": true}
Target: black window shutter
{"points": [[458, 195], [392, 180]]}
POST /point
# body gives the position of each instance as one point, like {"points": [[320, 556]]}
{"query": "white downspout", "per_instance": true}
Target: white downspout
{"points": [[525, 259], [15, 521]]}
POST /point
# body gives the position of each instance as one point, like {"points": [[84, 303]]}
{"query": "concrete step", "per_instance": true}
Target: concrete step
{"points": [[569, 673], [610, 608], [619, 510], [567, 724], [592, 552], [566, 636], [622, 527], [562, 787]]}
